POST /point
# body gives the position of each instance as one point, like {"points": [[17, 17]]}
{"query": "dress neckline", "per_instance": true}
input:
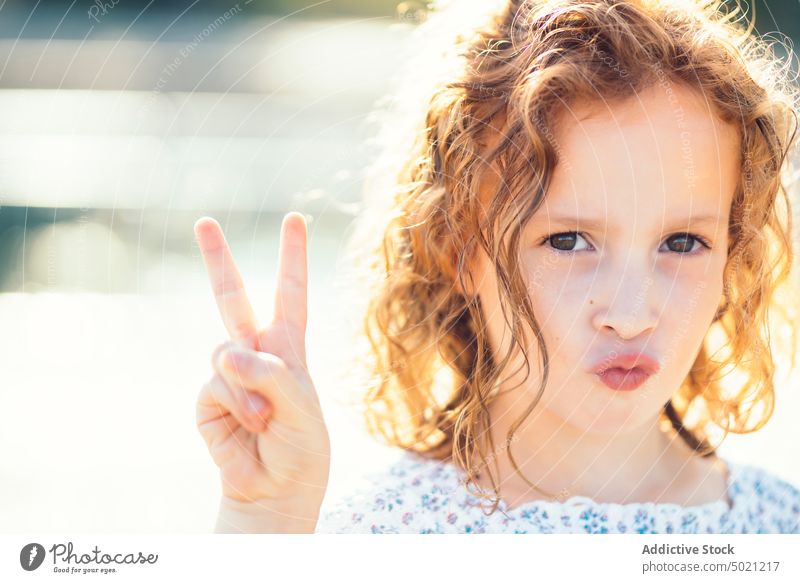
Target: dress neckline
{"points": [[724, 506]]}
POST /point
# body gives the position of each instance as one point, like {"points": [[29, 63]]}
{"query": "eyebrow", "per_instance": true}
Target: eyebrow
{"points": [[593, 223]]}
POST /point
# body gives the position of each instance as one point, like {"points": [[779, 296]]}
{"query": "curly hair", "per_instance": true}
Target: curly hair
{"points": [[430, 371]]}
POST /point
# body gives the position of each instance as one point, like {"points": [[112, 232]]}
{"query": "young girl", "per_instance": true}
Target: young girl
{"points": [[590, 238]]}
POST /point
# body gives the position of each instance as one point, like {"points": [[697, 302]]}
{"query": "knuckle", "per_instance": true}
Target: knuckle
{"points": [[213, 394], [205, 394], [219, 351], [244, 330], [226, 285], [206, 404]]}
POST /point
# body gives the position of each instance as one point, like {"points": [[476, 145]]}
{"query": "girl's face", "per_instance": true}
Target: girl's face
{"points": [[626, 255]]}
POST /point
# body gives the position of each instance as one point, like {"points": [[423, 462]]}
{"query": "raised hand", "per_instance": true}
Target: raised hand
{"points": [[259, 414]]}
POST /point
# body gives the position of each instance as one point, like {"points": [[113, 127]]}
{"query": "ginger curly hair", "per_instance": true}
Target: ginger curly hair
{"points": [[430, 371]]}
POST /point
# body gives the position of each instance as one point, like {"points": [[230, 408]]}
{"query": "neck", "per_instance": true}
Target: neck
{"points": [[639, 464]]}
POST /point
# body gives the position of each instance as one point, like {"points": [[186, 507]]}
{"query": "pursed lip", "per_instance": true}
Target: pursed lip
{"points": [[628, 360]]}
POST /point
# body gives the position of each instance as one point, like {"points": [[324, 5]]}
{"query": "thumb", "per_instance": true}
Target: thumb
{"points": [[264, 374]]}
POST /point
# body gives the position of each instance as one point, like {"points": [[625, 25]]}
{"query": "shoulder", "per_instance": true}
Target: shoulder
{"points": [[412, 494], [769, 502]]}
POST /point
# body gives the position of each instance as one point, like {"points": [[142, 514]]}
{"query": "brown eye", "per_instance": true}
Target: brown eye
{"points": [[683, 243], [564, 241]]}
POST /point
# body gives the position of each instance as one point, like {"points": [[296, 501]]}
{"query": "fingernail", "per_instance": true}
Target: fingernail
{"points": [[223, 358], [232, 359], [256, 403]]}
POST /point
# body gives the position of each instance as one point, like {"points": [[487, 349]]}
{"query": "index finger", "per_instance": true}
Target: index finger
{"points": [[226, 283]]}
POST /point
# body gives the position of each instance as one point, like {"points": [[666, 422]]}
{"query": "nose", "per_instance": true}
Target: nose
{"points": [[624, 301]]}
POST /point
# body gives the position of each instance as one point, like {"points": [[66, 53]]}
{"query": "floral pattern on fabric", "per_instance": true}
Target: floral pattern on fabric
{"points": [[421, 495]]}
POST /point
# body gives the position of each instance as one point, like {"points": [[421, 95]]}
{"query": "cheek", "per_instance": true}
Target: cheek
{"points": [[548, 275], [559, 291], [688, 313], [553, 295], [691, 297]]}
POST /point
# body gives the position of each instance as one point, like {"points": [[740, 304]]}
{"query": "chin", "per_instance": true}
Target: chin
{"points": [[613, 419]]}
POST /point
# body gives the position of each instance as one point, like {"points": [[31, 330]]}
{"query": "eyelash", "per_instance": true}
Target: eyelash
{"points": [[703, 241]]}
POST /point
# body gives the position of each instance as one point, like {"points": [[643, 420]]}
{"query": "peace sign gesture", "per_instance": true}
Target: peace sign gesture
{"points": [[260, 414]]}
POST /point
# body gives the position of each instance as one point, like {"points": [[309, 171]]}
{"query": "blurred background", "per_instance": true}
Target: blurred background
{"points": [[121, 123]]}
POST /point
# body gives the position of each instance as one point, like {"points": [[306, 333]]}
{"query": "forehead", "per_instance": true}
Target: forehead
{"points": [[659, 151]]}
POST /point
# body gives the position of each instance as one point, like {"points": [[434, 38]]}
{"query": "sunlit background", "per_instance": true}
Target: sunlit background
{"points": [[121, 123]]}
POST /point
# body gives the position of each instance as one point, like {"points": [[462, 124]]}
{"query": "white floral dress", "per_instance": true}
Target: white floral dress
{"points": [[420, 495]]}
